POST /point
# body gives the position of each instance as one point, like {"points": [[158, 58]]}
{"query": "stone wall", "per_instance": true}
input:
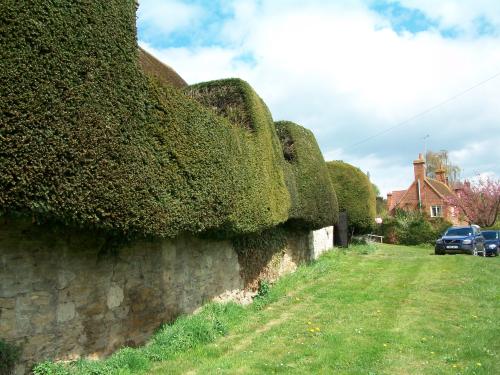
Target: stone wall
{"points": [[66, 293]]}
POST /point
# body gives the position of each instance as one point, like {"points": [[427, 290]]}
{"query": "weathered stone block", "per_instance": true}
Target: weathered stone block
{"points": [[65, 312], [115, 296]]}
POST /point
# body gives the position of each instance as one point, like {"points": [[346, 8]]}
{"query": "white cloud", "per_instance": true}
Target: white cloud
{"points": [[485, 152], [162, 17], [463, 14], [340, 70], [201, 63]]}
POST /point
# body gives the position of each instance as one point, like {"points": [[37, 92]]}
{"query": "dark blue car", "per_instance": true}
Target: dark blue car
{"points": [[491, 242], [455, 240]]}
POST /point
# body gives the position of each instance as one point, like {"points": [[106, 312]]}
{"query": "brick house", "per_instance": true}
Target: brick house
{"points": [[425, 193]]}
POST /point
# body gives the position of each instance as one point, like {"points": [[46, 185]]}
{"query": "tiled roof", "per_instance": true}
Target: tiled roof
{"points": [[441, 188]]}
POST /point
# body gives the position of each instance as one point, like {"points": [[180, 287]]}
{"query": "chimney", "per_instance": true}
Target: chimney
{"points": [[389, 201], [441, 175], [419, 168]]}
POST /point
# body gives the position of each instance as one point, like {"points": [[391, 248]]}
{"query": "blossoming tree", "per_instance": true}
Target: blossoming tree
{"points": [[478, 201]]}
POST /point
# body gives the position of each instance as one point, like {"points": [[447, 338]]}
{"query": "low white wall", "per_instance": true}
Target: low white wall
{"points": [[320, 240]]}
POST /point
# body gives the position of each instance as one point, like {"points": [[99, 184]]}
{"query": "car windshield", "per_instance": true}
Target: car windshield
{"points": [[490, 235], [459, 232]]}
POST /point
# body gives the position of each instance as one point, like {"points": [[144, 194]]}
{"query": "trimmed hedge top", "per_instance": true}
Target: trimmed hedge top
{"points": [[262, 200], [355, 195], [158, 70], [87, 140], [314, 202]]}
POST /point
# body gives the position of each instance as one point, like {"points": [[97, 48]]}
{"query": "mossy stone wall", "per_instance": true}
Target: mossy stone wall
{"points": [[64, 295]]}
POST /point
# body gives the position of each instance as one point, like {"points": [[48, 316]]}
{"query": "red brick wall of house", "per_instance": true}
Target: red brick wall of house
{"points": [[429, 196]]}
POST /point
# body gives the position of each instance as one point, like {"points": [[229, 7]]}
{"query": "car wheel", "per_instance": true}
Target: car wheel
{"points": [[474, 250]]}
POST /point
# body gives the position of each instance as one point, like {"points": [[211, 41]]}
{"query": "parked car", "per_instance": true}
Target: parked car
{"points": [[466, 239], [491, 242]]}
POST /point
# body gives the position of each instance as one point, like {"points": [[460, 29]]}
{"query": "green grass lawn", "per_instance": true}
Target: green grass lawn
{"points": [[368, 310]]}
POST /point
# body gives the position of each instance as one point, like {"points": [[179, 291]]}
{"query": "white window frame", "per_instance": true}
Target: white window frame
{"points": [[436, 211]]}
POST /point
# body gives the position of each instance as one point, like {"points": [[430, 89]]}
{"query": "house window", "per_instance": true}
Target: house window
{"points": [[436, 211]]}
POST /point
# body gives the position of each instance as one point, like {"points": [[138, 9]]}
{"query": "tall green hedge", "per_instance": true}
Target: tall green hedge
{"points": [[86, 139], [262, 199], [72, 102], [355, 195], [314, 202]]}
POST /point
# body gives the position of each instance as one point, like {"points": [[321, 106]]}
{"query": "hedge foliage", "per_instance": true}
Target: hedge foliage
{"points": [[9, 355], [412, 228], [262, 200], [72, 106], [355, 195], [314, 202], [87, 139], [159, 71]]}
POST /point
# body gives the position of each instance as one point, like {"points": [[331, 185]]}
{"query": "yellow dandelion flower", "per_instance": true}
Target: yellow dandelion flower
{"points": [[317, 329], [311, 330], [454, 366], [309, 323], [385, 344], [479, 364]]}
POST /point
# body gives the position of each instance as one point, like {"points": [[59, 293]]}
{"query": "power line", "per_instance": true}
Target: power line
{"points": [[426, 111]]}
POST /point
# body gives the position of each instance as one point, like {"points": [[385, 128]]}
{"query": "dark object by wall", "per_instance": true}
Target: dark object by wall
{"points": [[341, 231]]}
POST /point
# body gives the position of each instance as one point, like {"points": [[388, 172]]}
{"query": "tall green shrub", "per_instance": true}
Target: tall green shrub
{"points": [[86, 139], [412, 228], [314, 202], [262, 199], [355, 195]]}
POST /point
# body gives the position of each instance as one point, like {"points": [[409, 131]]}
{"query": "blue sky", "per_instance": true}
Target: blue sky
{"points": [[348, 70]]}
